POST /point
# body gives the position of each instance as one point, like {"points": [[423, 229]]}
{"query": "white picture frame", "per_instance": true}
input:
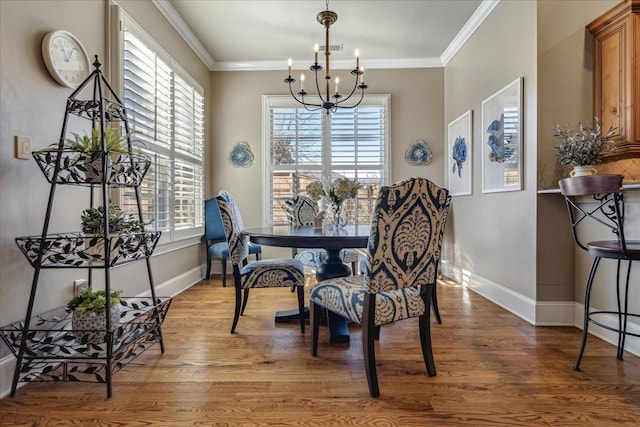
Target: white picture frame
{"points": [[459, 155], [502, 139]]}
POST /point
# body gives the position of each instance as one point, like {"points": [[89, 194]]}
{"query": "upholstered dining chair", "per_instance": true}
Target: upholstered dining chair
{"points": [[216, 240], [403, 254], [606, 209], [434, 295], [301, 212], [266, 273]]}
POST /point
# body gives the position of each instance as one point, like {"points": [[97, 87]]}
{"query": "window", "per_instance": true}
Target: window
{"points": [[165, 107], [304, 146]]}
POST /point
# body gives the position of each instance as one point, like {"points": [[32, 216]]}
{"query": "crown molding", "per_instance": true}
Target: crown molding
{"points": [[183, 29], [335, 65], [468, 29]]}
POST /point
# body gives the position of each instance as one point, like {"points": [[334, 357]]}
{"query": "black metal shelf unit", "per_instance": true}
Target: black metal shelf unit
{"points": [[46, 346]]}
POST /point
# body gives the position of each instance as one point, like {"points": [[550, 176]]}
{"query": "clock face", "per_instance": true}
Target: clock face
{"points": [[65, 58]]}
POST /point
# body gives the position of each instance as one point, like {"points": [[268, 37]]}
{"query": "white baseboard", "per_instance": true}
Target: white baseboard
{"points": [[171, 287], [541, 313]]}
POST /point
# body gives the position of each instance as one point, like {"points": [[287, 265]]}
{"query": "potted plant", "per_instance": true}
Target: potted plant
{"points": [[89, 157], [90, 148], [89, 310], [92, 225], [583, 148]]}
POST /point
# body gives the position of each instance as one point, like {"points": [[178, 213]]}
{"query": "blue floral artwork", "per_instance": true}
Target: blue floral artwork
{"points": [[418, 154], [459, 155], [241, 155], [495, 141]]}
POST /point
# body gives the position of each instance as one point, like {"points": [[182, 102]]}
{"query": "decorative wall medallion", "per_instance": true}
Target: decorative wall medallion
{"points": [[241, 155], [418, 154]]}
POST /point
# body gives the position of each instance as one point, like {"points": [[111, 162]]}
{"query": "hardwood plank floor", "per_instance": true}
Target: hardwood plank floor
{"points": [[494, 369]]}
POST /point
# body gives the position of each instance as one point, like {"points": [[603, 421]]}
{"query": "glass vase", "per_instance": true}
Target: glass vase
{"points": [[336, 216]]}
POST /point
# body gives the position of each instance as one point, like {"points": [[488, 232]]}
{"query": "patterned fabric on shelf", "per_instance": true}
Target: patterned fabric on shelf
{"points": [[302, 211], [269, 273], [400, 272]]}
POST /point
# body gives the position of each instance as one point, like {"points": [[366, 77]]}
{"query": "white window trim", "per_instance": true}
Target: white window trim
{"points": [[118, 20], [285, 101]]}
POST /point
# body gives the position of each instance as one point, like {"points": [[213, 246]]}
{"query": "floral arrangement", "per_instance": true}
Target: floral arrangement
{"points": [[95, 301], [583, 147], [335, 192]]}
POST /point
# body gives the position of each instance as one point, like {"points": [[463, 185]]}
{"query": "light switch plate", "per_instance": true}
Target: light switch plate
{"points": [[23, 147]]}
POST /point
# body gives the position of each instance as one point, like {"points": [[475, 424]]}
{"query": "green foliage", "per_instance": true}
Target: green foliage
{"points": [[115, 143], [583, 147], [119, 222], [95, 301]]}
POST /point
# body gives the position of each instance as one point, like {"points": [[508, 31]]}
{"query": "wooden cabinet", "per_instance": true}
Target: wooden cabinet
{"points": [[616, 89]]}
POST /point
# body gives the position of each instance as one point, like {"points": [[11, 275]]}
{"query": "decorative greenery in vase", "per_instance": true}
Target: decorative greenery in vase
{"points": [[119, 222], [583, 147], [95, 301], [89, 318]]}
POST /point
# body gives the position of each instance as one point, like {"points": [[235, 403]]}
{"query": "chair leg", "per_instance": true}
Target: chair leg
{"points": [[434, 303], [208, 268], [244, 301], [315, 314], [587, 298], [236, 314], [622, 318], [301, 307], [223, 268], [424, 323], [368, 343], [354, 268]]}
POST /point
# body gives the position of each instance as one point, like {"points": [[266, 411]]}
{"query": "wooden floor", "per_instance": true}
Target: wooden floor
{"points": [[494, 369]]}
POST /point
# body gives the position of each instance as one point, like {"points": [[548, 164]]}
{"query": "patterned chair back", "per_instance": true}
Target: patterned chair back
{"points": [[233, 227], [407, 227], [301, 211]]}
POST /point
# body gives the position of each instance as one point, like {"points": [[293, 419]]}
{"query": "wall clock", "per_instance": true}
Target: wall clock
{"points": [[65, 58]]}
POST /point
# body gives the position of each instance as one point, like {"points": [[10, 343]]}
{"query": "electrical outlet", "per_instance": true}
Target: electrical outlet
{"points": [[23, 147], [79, 286]]}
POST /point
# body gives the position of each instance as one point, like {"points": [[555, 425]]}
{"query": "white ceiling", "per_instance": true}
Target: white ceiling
{"points": [[263, 34]]}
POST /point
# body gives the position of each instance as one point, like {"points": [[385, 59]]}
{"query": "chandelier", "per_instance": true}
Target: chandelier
{"points": [[331, 103]]}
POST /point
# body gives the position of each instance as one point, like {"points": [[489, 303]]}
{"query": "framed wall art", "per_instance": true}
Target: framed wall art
{"points": [[502, 139], [459, 149]]}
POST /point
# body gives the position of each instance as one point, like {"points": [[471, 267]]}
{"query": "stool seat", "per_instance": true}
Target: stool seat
{"points": [[613, 249]]}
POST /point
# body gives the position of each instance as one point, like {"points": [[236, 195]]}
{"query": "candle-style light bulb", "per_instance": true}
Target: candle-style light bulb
{"points": [[302, 82], [316, 48], [357, 58], [337, 82], [362, 75], [290, 63]]}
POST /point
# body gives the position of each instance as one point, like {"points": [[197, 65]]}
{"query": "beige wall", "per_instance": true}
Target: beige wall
{"points": [[416, 113], [565, 88], [32, 104], [493, 235]]}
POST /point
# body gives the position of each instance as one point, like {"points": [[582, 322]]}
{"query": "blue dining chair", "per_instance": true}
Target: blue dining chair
{"points": [[407, 228], [216, 239]]}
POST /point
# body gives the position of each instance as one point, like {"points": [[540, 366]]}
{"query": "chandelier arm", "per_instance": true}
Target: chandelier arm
{"points": [[322, 99], [355, 86], [301, 101]]}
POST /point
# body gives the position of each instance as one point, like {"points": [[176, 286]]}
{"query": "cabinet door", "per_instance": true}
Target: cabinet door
{"points": [[611, 100]]}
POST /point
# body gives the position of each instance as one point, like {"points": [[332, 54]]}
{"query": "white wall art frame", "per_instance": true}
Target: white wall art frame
{"points": [[502, 139], [459, 155]]}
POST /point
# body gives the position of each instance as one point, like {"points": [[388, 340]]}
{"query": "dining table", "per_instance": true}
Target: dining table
{"points": [[333, 241]]}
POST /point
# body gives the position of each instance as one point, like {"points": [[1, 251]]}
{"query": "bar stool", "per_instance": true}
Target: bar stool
{"points": [[606, 190]]}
